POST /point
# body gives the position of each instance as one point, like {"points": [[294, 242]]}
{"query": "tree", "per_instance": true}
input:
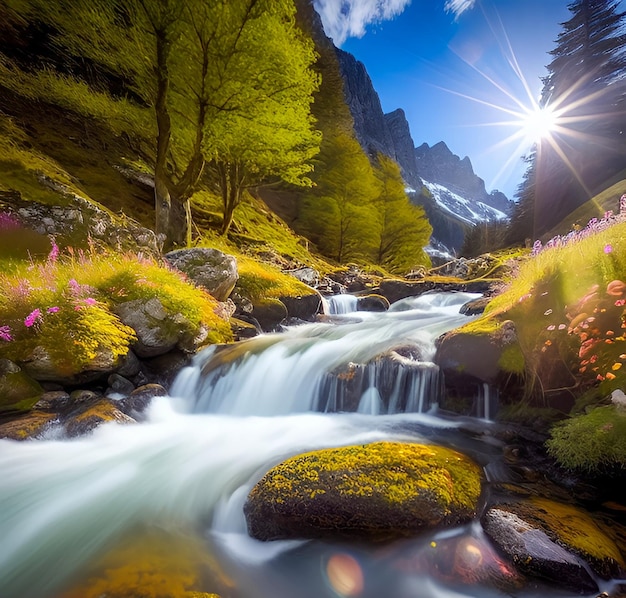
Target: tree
{"points": [[338, 215], [187, 60], [586, 86], [403, 229], [273, 138]]}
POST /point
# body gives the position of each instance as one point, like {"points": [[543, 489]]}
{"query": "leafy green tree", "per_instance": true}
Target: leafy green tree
{"points": [[586, 86], [403, 229], [188, 61], [274, 138]]}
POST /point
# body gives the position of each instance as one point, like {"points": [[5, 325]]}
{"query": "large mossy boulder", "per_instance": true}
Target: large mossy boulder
{"points": [[373, 492]]}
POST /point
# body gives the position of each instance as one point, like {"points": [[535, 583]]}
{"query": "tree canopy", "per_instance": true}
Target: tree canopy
{"points": [[200, 68]]}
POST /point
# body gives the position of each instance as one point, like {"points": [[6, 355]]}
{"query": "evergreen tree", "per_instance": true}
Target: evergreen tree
{"points": [[586, 85], [404, 230], [338, 215]]}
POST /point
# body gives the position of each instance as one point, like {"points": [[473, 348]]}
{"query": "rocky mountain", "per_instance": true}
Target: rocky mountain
{"points": [[435, 177]]}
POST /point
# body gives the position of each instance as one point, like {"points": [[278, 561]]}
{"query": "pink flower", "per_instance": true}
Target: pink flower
{"points": [[608, 248], [74, 286], [32, 317], [54, 252], [53, 310], [5, 334], [90, 301]]}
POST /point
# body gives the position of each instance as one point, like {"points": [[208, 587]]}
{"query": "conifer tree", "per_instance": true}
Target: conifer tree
{"points": [[403, 229], [586, 85]]}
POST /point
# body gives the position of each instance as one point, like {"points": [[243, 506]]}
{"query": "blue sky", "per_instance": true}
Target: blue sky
{"points": [[429, 57]]}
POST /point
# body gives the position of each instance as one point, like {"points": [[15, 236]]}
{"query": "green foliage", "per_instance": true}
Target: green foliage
{"points": [[270, 134], [338, 215], [404, 230], [66, 307], [592, 442]]}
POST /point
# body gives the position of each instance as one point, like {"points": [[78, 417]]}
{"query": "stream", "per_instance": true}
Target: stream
{"points": [[238, 410]]}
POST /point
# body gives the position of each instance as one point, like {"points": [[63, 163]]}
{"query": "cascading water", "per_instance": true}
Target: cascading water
{"points": [[233, 415], [380, 360]]}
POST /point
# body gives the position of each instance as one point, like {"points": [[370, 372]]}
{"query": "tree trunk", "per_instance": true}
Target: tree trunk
{"points": [[231, 184]]}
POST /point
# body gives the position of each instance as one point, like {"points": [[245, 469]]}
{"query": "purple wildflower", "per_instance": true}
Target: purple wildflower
{"points": [[5, 334], [54, 252], [608, 248], [32, 317], [90, 301], [74, 286], [52, 310]]}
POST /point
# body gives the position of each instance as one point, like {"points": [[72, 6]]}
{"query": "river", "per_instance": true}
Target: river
{"points": [[232, 415]]}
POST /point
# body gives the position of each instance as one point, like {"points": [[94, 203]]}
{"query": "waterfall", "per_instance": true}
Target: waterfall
{"points": [[340, 304], [381, 362]]}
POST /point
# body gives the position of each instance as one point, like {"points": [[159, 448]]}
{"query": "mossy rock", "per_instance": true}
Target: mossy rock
{"points": [[554, 541], [373, 492], [89, 417], [27, 426], [18, 391]]}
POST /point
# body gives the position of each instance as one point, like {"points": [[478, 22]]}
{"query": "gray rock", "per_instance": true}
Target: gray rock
{"points": [[208, 268], [157, 332], [534, 553], [119, 385]]}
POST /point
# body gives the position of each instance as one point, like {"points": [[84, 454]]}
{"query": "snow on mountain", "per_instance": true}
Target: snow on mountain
{"points": [[467, 210]]}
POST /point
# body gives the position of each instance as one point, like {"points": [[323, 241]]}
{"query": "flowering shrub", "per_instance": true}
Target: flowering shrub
{"points": [[66, 304]]}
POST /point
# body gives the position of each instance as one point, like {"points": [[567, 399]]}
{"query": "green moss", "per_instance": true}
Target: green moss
{"points": [[259, 281], [512, 360], [593, 442]]}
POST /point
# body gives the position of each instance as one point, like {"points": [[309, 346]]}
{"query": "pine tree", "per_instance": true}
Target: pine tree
{"points": [[586, 84]]}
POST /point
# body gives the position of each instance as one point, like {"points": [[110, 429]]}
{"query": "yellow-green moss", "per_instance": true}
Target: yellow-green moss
{"points": [[593, 441], [259, 281], [395, 472], [577, 530], [512, 360]]}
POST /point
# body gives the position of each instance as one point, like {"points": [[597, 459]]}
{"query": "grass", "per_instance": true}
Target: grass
{"points": [[67, 307]]}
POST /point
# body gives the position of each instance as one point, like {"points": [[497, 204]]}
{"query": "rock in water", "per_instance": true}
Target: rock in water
{"points": [[373, 492]]}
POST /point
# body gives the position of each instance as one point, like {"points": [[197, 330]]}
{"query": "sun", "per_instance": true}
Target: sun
{"points": [[538, 123]]}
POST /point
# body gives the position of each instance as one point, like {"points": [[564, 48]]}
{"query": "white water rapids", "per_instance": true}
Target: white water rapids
{"points": [[200, 451]]}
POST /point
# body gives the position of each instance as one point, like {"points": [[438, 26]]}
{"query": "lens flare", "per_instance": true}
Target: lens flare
{"points": [[345, 574]]}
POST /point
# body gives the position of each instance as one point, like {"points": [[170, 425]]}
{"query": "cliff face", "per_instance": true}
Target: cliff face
{"points": [[403, 144], [369, 121]]}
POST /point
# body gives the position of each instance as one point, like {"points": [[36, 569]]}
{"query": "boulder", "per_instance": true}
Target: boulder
{"points": [[157, 330], [269, 314], [303, 307], [373, 492], [372, 303], [208, 268], [306, 275], [87, 418], [28, 426], [42, 367], [555, 541], [18, 391], [476, 355]]}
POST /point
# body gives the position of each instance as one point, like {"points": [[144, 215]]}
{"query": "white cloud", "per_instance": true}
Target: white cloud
{"points": [[458, 7], [348, 18]]}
